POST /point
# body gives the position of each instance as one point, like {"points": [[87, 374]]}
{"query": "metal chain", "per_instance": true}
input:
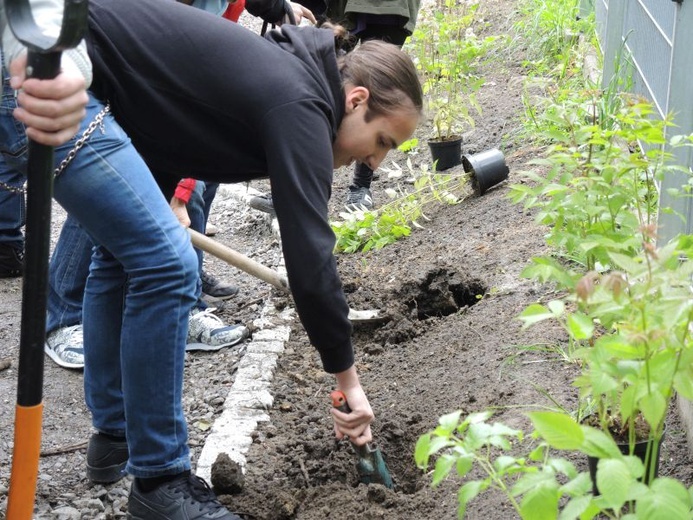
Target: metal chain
{"points": [[96, 123]]}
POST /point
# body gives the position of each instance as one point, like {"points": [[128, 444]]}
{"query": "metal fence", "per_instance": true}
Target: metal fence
{"points": [[655, 37]]}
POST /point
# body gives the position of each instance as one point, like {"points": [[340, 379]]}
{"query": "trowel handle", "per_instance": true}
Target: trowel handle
{"points": [[339, 401]]}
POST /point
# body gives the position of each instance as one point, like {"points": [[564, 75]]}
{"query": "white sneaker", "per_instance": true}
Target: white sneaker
{"points": [[211, 229], [65, 346], [207, 332]]}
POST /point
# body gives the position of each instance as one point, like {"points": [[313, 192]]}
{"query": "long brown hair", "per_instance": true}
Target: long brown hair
{"points": [[387, 72]]}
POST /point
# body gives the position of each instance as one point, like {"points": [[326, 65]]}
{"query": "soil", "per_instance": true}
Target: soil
{"points": [[452, 292]]}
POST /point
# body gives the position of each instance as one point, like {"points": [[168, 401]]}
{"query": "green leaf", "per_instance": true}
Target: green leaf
{"points": [[449, 422], [534, 314], [464, 464], [580, 326], [468, 492], [559, 430], [653, 407], [575, 507], [421, 451], [667, 499], [626, 263], [598, 444], [619, 347], [613, 480], [540, 503], [557, 307], [442, 469], [684, 385]]}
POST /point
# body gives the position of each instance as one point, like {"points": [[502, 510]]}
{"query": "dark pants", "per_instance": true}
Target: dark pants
{"points": [[363, 175]]}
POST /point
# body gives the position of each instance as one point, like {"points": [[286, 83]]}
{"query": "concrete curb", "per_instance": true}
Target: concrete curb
{"points": [[249, 398]]}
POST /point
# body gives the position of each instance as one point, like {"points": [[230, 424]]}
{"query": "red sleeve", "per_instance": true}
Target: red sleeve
{"points": [[234, 10], [184, 189]]}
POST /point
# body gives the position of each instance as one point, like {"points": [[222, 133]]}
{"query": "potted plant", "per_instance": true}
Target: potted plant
{"points": [[447, 53]]}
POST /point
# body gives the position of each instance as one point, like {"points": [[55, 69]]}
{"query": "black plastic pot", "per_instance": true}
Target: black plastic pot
{"points": [[488, 168], [640, 451], [447, 153]]}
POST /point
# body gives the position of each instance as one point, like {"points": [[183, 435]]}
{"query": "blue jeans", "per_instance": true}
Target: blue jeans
{"points": [[141, 287], [67, 276], [70, 261], [198, 208], [12, 207]]}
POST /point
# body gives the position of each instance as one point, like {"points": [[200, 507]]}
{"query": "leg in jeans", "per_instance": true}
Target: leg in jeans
{"points": [[12, 207], [68, 273], [138, 296], [12, 203], [198, 207]]}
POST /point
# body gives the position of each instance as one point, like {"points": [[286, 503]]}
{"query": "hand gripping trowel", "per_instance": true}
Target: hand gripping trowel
{"points": [[370, 465]]}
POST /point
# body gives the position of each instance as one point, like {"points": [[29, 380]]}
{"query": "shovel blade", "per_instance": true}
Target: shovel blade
{"points": [[372, 469]]}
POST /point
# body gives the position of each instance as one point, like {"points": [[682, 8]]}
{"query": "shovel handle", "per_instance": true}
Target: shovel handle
{"points": [[238, 260]]}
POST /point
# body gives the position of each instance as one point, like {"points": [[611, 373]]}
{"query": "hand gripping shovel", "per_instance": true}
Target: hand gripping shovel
{"points": [[43, 62], [370, 464]]}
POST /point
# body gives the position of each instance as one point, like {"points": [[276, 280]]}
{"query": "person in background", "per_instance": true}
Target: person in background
{"points": [[12, 211], [392, 21]]}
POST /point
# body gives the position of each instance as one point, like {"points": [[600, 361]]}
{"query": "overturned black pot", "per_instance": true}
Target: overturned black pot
{"points": [[488, 168], [640, 451], [447, 153]]}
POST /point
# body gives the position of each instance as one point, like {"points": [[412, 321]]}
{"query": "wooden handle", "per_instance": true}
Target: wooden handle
{"points": [[238, 260]]}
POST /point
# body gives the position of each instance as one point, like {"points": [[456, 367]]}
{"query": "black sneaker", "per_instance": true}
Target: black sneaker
{"points": [[185, 498], [106, 459], [263, 203], [11, 261], [359, 199], [215, 289]]}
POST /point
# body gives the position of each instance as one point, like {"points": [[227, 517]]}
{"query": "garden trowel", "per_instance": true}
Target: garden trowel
{"points": [[370, 465]]}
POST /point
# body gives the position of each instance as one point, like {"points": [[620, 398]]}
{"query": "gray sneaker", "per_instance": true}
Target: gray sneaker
{"points": [[263, 203], [65, 346], [207, 332], [186, 498], [359, 199]]}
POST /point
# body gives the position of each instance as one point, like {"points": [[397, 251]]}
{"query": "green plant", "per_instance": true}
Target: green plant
{"points": [[627, 307], [366, 230], [539, 485], [600, 187], [448, 53]]}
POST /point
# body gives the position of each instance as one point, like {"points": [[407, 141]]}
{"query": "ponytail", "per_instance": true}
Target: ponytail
{"points": [[387, 72]]}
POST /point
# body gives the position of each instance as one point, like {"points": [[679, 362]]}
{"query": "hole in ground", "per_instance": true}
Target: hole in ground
{"points": [[442, 292]]}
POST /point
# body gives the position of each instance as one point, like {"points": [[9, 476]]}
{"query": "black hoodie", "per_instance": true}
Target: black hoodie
{"points": [[205, 98]]}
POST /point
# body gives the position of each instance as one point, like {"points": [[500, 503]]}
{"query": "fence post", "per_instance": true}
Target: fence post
{"points": [[613, 38], [680, 79]]}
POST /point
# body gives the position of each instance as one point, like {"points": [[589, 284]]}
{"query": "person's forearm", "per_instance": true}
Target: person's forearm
{"points": [[348, 379]]}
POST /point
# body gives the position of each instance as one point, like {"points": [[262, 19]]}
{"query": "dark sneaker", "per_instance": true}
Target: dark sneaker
{"points": [[186, 498], [207, 332], [263, 203], [11, 261], [214, 289], [359, 199], [106, 459]]}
